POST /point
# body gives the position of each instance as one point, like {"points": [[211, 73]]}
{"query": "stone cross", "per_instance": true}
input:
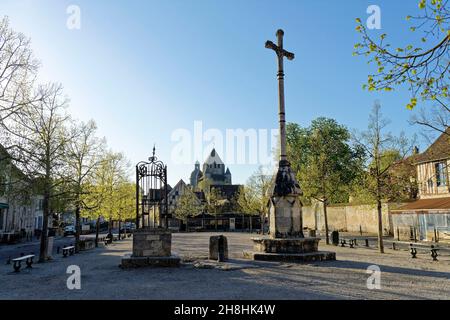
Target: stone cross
{"points": [[281, 54], [285, 220]]}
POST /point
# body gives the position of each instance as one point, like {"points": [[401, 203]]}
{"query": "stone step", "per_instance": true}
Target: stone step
{"points": [[291, 257]]}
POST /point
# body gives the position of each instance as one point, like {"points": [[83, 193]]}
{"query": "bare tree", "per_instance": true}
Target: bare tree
{"points": [[83, 156], [38, 137], [18, 69], [379, 146], [435, 120]]}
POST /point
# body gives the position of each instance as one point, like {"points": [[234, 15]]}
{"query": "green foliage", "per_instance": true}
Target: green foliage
{"points": [[424, 71], [252, 197], [205, 185], [187, 205], [112, 194], [213, 198], [325, 162]]}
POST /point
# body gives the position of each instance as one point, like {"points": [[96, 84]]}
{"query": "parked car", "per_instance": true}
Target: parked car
{"points": [[69, 231], [127, 227]]}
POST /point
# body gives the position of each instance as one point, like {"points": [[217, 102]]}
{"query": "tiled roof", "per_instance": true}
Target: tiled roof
{"points": [[425, 205], [439, 150]]}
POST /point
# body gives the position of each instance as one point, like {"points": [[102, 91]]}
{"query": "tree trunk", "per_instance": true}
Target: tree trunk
{"points": [[77, 229], [380, 226], [251, 226], [301, 223], [325, 215], [97, 229], [44, 236], [263, 218], [120, 233], [110, 226]]}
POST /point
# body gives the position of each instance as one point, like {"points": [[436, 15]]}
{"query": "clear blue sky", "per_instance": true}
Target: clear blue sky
{"points": [[142, 69]]}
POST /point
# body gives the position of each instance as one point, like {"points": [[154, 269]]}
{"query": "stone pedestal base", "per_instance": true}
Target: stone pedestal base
{"points": [[288, 250], [151, 248], [140, 262], [291, 257]]}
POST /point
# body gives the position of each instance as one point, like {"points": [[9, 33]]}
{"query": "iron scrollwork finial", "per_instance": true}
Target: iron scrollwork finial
{"points": [[153, 158]]}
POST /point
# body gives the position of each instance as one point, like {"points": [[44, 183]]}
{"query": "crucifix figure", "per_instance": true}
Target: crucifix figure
{"points": [[284, 205]]}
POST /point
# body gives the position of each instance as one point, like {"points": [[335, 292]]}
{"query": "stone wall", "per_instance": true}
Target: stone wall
{"points": [[348, 218]]}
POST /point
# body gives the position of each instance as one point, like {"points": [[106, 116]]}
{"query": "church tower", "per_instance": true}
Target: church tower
{"points": [[214, 170], [196, 175], [228, 176]]}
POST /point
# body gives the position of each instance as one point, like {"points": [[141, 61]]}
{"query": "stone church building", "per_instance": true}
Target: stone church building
{"points": [[213, 175], [213, 170]]}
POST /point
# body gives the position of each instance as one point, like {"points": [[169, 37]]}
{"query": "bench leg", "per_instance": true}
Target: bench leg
{"points": [[17, 266], [29, 263], [64, 253]]}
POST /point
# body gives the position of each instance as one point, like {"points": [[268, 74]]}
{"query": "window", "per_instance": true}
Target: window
{"points": [[441, 174], [40, 204], [2, 185]]}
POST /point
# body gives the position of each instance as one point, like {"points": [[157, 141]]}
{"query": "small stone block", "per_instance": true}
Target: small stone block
{"points": [[214, 248]]}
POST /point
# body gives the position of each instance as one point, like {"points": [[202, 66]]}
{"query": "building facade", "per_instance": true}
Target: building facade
{"points": [[428, 218], [20, 209]]}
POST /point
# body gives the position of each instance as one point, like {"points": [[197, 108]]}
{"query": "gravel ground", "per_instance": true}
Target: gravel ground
{"points": [[197, 278]]}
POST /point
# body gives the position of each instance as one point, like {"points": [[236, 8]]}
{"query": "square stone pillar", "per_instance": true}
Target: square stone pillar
{"points": [[151, 248], [285, 217], [285, 207], [152, 243]]}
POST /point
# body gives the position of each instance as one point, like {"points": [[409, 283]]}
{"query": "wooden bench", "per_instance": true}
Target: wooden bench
{"points": [[107, 240], [351, 242], [18, 262], [413, 250], [69, 250]]}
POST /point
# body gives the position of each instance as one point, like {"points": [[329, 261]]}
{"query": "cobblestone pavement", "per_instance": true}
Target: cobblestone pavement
{"points": [[197, 278]]}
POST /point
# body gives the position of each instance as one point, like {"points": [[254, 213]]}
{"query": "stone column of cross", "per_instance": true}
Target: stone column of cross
{"points": [[281, 54]]}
